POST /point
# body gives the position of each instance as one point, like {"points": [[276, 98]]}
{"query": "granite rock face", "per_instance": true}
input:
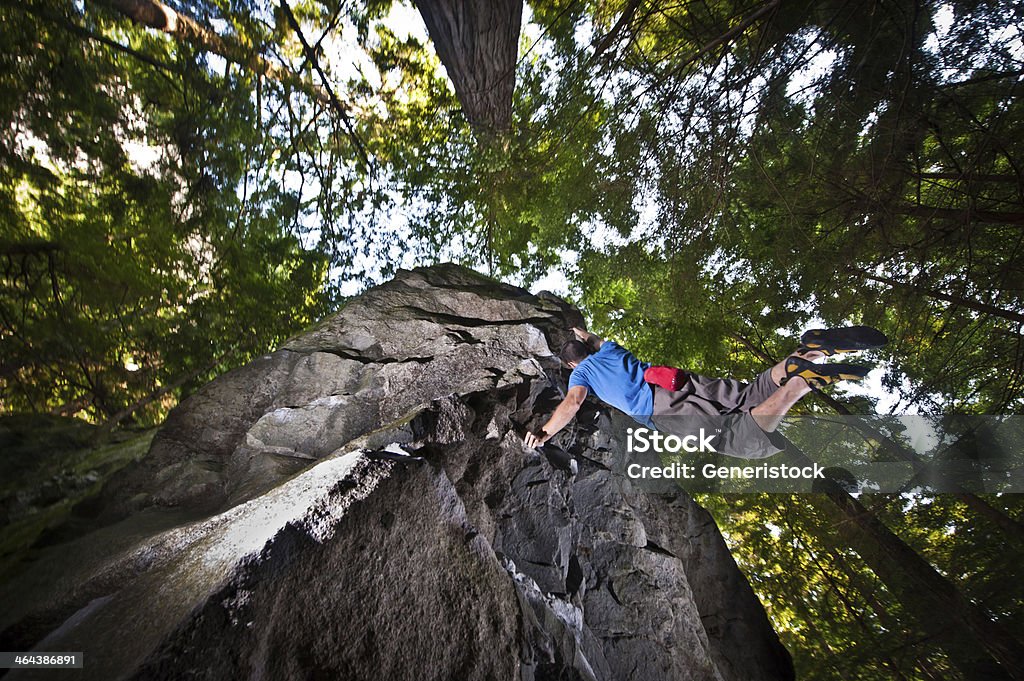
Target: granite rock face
{"points": [[359, 504]]}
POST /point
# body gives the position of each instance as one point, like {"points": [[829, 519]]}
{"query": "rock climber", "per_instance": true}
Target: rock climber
{"points": [[752, 411]]}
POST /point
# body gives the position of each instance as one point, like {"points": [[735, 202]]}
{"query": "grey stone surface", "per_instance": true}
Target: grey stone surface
{"points": [[359, 504]]}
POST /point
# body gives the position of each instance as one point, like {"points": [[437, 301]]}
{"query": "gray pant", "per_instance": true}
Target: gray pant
{"points": [[718, 404]]}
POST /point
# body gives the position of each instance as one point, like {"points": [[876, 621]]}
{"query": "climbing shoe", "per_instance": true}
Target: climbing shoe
{"points": [[844, 339], [819, 375]]}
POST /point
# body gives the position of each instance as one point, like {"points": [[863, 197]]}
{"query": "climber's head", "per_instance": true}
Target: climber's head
{"points": [[574, 352]]}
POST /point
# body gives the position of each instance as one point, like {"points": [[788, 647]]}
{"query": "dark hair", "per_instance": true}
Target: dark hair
{"points": [[574, 351]]}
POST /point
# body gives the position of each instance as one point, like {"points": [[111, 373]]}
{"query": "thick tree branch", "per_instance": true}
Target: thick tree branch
{"points": [[960, 301], [70, 26], [728, 36], [982, 79], [121, 415], [971, 177], [154, 14], [964, 214], [611, 36]]}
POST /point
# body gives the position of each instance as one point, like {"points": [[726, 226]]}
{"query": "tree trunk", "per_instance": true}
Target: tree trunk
{"points": [[28, 247], [478, 43], [964, 630], [1012, 530], [1008, 527], [978, 646]]}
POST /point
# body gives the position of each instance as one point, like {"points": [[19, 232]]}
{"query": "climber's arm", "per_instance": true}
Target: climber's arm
{"points": [[564, 413], [591, 339]]}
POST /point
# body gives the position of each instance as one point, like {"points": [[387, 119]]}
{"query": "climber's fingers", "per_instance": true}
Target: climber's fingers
{"points": [[535, 439]]}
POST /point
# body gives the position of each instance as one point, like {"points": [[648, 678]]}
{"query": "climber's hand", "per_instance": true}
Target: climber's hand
{"points": [[535, 439]]}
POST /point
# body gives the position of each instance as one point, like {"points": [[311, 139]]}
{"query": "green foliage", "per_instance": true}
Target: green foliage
{"points": [[125, 284]]}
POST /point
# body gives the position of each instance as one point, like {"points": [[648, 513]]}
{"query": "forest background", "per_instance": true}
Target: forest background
{"points": [[185, 185]]}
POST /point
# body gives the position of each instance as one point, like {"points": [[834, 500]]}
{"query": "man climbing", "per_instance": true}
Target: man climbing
{"points": [[751, 411]]}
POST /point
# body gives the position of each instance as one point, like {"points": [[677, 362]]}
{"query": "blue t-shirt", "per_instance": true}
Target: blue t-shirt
{"points": [[617, 377]]}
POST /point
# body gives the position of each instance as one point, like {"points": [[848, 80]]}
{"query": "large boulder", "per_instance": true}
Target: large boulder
{"points": [[359, 504]]}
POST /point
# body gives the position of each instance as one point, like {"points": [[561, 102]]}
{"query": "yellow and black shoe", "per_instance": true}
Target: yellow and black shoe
{"points": [[844, 339], [820, 375]]}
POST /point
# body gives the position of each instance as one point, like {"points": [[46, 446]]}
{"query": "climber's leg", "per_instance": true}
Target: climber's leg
{"points": [[769, 413], [799, 376]]}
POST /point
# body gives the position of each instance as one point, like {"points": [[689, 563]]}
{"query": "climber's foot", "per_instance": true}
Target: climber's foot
{"points": [[843, 339], [820, 375]]}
